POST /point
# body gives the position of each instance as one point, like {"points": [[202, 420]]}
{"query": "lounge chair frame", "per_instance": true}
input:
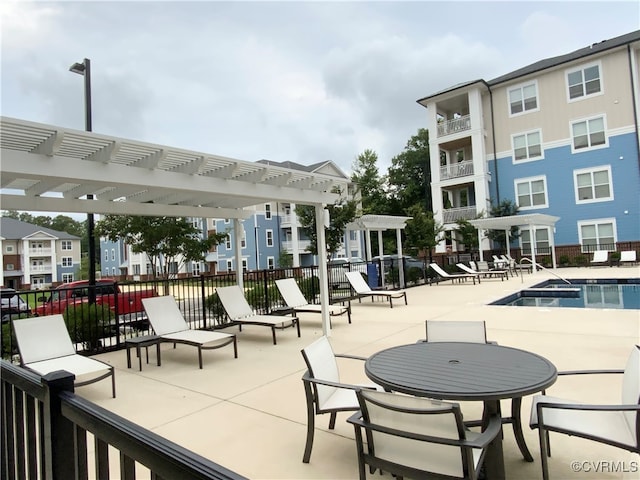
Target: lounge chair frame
{"points": [[295, 300], [454, 276], [360, 287]]}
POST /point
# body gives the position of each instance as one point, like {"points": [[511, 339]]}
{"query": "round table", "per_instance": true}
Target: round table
{"points": [[464, 371]]}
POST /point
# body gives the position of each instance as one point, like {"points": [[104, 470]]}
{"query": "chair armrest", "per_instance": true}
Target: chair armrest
{"points": [[353, 357], [589, 372], [328, 383], [590, 407], [489, 433]]}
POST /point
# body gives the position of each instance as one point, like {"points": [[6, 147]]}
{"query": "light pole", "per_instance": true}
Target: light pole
{"points": [[84, 69]]}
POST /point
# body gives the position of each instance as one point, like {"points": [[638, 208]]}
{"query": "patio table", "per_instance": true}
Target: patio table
{"points": [[466, 372]]}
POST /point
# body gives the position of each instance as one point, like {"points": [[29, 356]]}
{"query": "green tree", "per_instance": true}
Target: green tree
{"points": [[410, 175], [422, 232], [165, 240], [468, 235], [341, 213], [505, 208], [370, 184], [285, 259]]}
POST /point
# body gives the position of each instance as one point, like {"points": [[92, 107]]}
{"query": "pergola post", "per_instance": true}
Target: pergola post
{"points": [[400, 258], [321, 217], [238, 233]]}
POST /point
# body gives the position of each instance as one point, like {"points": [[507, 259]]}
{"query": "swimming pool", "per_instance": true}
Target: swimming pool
{"points": [[614, 293]]}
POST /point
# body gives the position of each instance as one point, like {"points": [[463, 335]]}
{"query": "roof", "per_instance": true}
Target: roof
{"points": [[12, 229], [547, 63], [378, 222], [54, 169], [505, 223]]}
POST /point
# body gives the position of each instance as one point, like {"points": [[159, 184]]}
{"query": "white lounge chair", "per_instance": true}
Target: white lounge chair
{"points": [[361, 288], [454, 276], [294, 298], [45, 346], [600, 257], [240, 312], [628, 257], [501, 273], [169, 324], [483, 269]]}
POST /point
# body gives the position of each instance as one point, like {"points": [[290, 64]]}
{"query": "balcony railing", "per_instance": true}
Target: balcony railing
{"points": [[451, 215], [43, 252], [302, 246], [455, 170], [41, 269], [455, 125]]}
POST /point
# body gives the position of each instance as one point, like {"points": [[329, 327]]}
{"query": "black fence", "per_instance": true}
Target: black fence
{"points": [[46, 429]]}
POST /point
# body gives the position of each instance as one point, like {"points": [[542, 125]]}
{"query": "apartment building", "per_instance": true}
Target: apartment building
{"points": [[558, 137], [37, 257]]}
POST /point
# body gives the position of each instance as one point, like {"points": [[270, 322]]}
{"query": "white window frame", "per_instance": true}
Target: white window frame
{"points": [[269, 237], [267, 211], [66, 245], [591, 171], [587, 122], [243, 240], [229, 266], [66, 261], [106, 255], [597, 222], [113, 254], [540, 250], [581, 69], [245, 264], [227, 242], [227, 221], [271, 263], [521, 87], [8, 249], [526, 135], [530, 180], [67, 277]]}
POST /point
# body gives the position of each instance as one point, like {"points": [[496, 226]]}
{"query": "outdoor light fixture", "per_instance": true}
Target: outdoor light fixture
{"points": [[78, 68]]}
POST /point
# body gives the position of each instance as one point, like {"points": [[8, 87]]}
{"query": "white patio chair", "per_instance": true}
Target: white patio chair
{"points": [[417, 437], [617, 425], [492, 274], [600, 257], [361, 288], [169, 324], [628, 257], [294, 298], [45, 346], [240, 312], [454, 276], [324, 391]]}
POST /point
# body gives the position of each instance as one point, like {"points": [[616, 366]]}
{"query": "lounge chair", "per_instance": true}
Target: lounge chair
{"points": [[169, 324], [416, 437], [615, 424], [240, 312], [294, 298], [454, 276], [361, 288], [466, 269], [600, 257], [628, 257], [45, 346], [486, 272]]}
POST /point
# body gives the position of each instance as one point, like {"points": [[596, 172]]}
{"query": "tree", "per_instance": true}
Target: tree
{"points": [[422, 231], [370, 184], [341, 213], [167, 241], [410, 175], [505, 208], [468, 235]]}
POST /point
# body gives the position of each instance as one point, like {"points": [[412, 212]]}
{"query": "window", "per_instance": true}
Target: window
{"points": [[67, 261], [243, 240], [593, 185], [527, 146], [10, 266], [136, 269], [67, 277], [65, 245], [543, 246], [227, 242], [271, 263], [8, 249], [269, 235], [245, 266], [106, 255], [229, 266], [113, 254], [227, 221], [584, 82], [267, 211], [523, 99], [531, 193], [597, 235], [588, 133]]}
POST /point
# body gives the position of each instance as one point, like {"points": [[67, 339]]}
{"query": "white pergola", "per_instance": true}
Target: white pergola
{"points": [[530, 220], [380, 223], [53, 169]]}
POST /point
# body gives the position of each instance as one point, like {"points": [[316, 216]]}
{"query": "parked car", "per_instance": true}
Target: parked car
{"points": [[414, 268], [336, 268], [12, 304]]}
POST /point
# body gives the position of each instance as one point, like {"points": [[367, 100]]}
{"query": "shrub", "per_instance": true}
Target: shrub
{"points": [[580, 260], [259, 301], [310, 287], [9, 344], [214, 306], [564, 260], [414, 274], [88, 323]]}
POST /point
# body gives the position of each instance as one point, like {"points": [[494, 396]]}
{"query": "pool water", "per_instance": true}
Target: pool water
{"points": [[581, 293]]}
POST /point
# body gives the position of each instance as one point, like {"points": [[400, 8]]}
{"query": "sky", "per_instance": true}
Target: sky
{"points": [[283, 81]]}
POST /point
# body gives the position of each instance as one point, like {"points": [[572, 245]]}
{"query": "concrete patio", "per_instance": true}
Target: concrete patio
{"points": [[248, 414]]}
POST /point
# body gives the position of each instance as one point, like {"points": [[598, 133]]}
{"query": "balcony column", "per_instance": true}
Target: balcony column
{"points": [[295, 248]]}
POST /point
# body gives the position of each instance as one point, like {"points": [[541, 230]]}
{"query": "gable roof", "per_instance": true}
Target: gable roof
{"points": [[12, 229]]}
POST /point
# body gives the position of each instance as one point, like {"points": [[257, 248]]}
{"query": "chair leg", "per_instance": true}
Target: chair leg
{"points": [[544, 445], [273, 334], [310, 424], [332, 421]]}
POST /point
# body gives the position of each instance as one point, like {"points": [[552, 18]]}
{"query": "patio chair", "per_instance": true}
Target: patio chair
{"points": [[169, 324], [45, 346], [240, 312], [628, 257], [454, 276], [418, 437], [509, 262], [324, 391], [498, 273], [617, 425], [600, 257], [294, 298], [475, 331], [361, 288]]}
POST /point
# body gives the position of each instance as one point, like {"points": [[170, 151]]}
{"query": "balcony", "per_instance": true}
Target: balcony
{"points": [[455, 125], [451, 215], [302, 246], [41, 269], [40, 252], [455, 170]]}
